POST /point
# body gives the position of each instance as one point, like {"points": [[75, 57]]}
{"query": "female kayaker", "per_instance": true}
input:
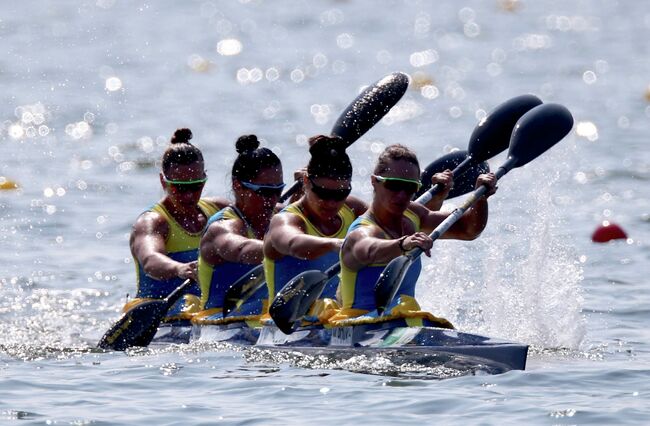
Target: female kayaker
{"points": [[165, 238], [392, 226], [308, 233], [232, 244]]}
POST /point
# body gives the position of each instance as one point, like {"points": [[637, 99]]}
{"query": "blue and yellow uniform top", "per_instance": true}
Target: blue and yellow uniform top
{"points": [[280, 271], [357, 287], [216, 279], [181, 245]]}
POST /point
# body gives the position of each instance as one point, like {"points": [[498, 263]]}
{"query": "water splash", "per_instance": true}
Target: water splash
{"points": [[521, 279], [38, 323]]}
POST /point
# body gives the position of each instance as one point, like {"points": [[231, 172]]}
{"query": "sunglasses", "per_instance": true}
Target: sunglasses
{"points": [[186, 185], [410, 186], [264, 190], [339, 194]]}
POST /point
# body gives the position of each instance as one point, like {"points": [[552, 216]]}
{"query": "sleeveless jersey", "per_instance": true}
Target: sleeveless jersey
{"points": [[215, 280], [181, 245], [357, 287], [280, 271]]}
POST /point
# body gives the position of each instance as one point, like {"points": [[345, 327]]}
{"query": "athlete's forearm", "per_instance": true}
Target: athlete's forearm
{"points": [[243, 250], [161, 266], [376, 250], [310, 247]]}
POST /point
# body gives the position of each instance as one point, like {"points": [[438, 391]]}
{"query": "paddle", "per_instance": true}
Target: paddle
{"points": [[242, 289], [490, 137], [137, 326], [464, 180], [366, 110], [535, 132]]}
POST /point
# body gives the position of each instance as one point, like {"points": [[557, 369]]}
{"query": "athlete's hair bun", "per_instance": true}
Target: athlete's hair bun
{"points": [[182, 136], [328, 158], [247, 143], [329, 146]]}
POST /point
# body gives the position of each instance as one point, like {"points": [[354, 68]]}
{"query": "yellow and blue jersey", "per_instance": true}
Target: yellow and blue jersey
{"points": [[181, 246], [280, 271], [357, 287], [215, 280]]}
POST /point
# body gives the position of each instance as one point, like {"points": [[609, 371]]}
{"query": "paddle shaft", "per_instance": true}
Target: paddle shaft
{"points": [[459, 170], [458, 212], [178, 292], [292, 190]]}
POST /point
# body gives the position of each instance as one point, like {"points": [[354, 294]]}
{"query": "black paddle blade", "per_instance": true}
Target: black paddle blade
{"points": [[295, 298], [389, 282], [372, 104], [492, 135], [138, 325], [243, 288], [463, 184], [135, 327], [537, 131]]}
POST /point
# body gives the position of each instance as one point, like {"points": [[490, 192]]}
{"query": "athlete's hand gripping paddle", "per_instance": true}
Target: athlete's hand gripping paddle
{"points": [[535, 132]]}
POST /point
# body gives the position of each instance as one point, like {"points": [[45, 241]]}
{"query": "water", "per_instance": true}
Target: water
{"points": [[92, 91]]}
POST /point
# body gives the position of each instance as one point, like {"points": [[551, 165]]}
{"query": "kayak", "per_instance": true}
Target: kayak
{"points": [[177, 332], [238, 332], [425, 341]]}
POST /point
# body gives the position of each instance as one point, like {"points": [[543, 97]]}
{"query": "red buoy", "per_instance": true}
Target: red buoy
{"points": [[608, 231]]}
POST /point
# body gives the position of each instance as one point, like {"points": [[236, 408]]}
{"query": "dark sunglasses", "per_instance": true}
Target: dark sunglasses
{"points": [[339, 194], [410, 186], [267, 191], [186, 185]]}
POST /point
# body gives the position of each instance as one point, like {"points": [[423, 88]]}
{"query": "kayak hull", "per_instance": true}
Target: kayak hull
{"points": [[236, 333], [177, 332], [396, 336], [418, 341]]}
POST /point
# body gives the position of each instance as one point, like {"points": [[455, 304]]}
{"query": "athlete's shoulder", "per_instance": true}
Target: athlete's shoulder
{"points": [[356, 205], [216, 203]]}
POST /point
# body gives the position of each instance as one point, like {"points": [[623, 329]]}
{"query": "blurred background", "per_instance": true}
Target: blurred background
{"points": [[93, 90]]}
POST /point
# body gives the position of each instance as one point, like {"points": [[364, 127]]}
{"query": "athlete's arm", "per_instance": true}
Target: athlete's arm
{"points": [[358, 206], [364, 246], [471, 224], [287, 236], [148, 247], [225, 241]]}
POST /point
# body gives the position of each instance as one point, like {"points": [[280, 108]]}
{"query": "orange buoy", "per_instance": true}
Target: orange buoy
{"points": [[419, 79], [608, 231], [7, 184], [509, 5]]}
